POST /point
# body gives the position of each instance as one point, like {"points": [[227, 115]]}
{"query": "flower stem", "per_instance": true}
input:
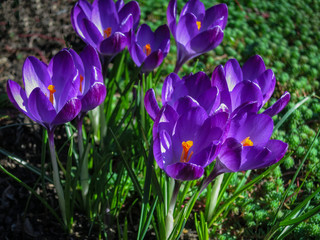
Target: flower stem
{"points": [[56, 178], [169, 219], [214, 196]]}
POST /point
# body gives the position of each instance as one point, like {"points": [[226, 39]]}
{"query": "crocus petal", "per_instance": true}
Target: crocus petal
{"points": [[79, 12], [35, 74], [162, 148], [218, 80], [184, 104], [278, 150], [91, 33], [195, 7], [18, 97], [105, 15], [278, 106], [173, 88], [145, 35], [207, 40], [77, 61], [267, 82], [41, 108], [186, 29], [113, 44], [245, 92], [206, 155], [94, 97], [254, 157], [152, 61], [165, 120], [253, 68], [233, 73], [184, 171], [162, 39], [126, 25], [137, 54], [230, 155], [172, 16], [86, 7], [151, 104], [69, 111], [216, 14], [210, 100], [133, 8]]}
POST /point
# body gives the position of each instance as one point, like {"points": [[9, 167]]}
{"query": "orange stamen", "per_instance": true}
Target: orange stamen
{"points": [[185, 150], [199, 25], [81, 80], [147, 49], [247, 142], [52, 91], [107, 32]]}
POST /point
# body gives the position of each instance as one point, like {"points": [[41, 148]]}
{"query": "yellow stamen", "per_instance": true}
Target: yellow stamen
{"points": [[52, 91], [107, 32], [199, 25], [247, 142], [81, 80], [185, 150], [147, 49]]}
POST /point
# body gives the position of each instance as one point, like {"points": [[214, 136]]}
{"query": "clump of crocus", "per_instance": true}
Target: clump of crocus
{"points": [[198, 30], [50, 98], [147, 48], [105, 25], [251, 83], [187, 139]]}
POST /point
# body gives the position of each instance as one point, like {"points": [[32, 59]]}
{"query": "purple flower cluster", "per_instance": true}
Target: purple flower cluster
{"points": [[203, 120]]}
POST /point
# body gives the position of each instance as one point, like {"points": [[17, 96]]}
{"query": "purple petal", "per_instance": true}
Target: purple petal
{"points": [[126, 24], [145, 36], [86, 7], [165, 120], [230, 155], [172, 16], [278, 106], [278, 150], [197, 84], [151, 104], [137, 54], [80, 11], [105, 15], [41, 108], [184, 171], [35, 74], [91, 33], [218, 80], [133, 8], [162, 39], [162, 149], [152, 61], [210, 100], [184, 104], [94, 97], [173, 88], [69, 111], [214, 15], [267, 82], [206, 155], [113, 44], [119, 5], [233, 73], [18, 97], [194, 7], [207, 40], [254, 157], [245, 92], [253, 68], [77, 61], [186, 29]]}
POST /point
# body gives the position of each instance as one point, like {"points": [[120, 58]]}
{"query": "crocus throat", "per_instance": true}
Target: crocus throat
{"points": [[52, 91], [147, 49], [247, 142], [81, 80], [199, 25], [185, 150], [107, 32]]}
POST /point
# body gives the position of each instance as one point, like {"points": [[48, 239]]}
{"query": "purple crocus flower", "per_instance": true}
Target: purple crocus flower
{"points": [[198, 30], [248, 145], [251, 83], [50, 94], [148, 49], [105, 25], [92, 90], [198, 86], [186, 139]]}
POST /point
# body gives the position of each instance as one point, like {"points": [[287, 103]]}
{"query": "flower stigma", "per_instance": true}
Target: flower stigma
{"points": [[81, 80], [52, 91], [247, 142], [185, 150], [147, 49], [107, 32], [199, 25]]}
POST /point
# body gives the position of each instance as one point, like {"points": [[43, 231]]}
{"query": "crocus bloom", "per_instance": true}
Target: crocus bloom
{"points": [[105, 25], [251, 83], [198, 30], [149, 49], [186, 140], [248, 145], [92, 90], [50, 94], [197, 85]]}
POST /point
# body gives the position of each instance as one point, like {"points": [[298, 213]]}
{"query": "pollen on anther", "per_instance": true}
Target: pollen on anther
{"points": [[147, 49], [52, 91], [107, 32], [247, 142], [199, 25], [81, 80]]}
